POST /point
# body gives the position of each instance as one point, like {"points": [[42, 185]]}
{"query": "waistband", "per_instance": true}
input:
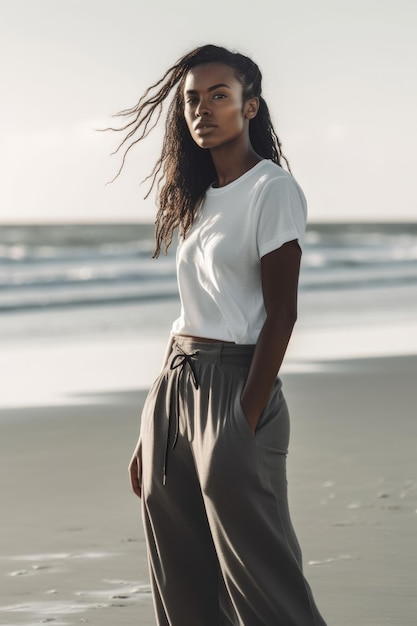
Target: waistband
{"points": [[186, 353], [216, 353]]}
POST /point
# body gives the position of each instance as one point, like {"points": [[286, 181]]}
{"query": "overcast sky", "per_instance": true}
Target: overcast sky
{"points": [[340, 78]]}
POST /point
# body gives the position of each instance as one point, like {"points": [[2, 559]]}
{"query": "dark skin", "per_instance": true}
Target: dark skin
{"points": [[279, 271], [218, 120]]}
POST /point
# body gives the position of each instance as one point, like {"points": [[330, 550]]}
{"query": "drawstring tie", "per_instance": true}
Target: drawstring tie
{"points": [[181, 359]]}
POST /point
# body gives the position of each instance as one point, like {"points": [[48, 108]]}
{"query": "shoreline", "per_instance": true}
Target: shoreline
{"points": [[71, 369]]}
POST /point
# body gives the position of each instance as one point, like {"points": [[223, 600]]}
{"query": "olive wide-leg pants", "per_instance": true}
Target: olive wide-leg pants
{"points": [[221, 546]]}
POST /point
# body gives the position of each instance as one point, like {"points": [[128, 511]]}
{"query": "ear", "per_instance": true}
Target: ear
{"points": [[251, 107]]}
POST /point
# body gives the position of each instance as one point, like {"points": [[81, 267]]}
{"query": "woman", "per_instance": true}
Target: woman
{"points": [[210, 463]]}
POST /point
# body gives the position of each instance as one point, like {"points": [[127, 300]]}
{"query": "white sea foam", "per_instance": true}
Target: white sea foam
{"points": [[80, 265]]}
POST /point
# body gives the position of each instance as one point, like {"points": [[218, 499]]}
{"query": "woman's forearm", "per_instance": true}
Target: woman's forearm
{"points": [[266, 362]]}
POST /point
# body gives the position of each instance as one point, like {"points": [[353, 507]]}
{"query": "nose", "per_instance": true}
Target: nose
{"points": [[202, 109]]}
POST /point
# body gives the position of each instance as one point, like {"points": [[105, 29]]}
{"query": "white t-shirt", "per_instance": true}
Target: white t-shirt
{"points": [[218, 262]]}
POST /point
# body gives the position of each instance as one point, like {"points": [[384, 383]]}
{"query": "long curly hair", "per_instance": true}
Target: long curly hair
{"points": [[184, 171]]}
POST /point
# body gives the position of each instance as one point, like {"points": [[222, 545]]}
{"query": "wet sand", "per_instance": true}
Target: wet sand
{"points": [[72, 547]]}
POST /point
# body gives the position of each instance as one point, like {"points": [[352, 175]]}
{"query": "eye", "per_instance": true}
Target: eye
{"points": [[219, 96], [191, 100]]}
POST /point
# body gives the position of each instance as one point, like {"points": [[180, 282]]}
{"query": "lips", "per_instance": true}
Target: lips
{"points": [[204, 126]]}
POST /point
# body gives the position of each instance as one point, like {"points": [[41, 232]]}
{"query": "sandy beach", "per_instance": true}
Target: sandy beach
{"points": [[72, 546]]}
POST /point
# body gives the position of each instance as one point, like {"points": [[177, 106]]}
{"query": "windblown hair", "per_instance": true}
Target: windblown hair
{"points": [[184, 171]]}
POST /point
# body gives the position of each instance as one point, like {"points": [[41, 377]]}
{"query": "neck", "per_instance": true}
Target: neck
{"points": [[231, 163]]}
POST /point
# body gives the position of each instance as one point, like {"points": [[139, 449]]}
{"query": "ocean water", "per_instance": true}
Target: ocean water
{"points": [[49, 266], [85, 310]]}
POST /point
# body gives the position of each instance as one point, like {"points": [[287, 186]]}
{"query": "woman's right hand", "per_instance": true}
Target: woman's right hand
{"points": [[135, 470]]}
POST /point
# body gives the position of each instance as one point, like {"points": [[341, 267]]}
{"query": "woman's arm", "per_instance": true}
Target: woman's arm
{"points": [[135, 465], [135, 469], [279, 270]]}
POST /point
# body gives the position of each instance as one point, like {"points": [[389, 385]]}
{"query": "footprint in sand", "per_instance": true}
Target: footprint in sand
{"points": [[126, 590], [29, 572], [54, 556]]}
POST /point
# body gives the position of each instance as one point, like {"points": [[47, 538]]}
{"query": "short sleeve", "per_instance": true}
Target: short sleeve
{"points": [[282, 214]]}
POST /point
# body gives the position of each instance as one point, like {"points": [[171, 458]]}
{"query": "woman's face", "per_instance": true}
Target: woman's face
{"points": [[213, 107]]}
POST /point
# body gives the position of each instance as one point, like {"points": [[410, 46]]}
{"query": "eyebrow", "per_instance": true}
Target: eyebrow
{"points": [[212, 88]]}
